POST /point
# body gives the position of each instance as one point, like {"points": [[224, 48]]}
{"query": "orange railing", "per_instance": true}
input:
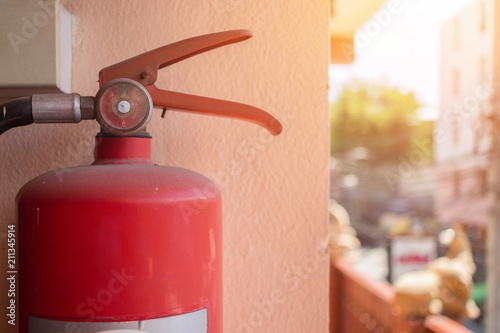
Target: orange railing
{"points": [[358, 304]]}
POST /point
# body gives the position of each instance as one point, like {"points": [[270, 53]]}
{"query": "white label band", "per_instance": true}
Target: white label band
{"points": [[193, 322]]}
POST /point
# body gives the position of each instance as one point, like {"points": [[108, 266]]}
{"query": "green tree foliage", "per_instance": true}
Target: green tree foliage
{"points": [[381, 119]]}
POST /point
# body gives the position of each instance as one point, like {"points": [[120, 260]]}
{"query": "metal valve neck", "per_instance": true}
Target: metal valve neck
{"points": [[122, 150]]}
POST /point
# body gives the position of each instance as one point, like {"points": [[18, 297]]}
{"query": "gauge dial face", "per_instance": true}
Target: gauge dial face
{"points": [[123, 107]]}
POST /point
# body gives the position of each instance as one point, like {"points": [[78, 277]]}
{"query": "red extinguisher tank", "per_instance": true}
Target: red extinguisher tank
{"points": [[123, 241]]}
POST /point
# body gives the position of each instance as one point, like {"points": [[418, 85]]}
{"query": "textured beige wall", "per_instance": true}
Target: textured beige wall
{"points": [[275, 189]]}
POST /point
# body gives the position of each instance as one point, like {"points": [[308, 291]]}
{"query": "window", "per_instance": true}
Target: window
{"points": [[456, 184], [456, 82], [482, 70], [455, 127], [483, 17], [456, 33], [483, 182]]}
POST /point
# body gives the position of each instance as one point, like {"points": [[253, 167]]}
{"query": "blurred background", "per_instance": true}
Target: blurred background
{"points": [[412, 147]]}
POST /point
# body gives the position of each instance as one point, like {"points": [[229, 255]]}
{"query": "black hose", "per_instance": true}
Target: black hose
{"points": [[14, 113]]}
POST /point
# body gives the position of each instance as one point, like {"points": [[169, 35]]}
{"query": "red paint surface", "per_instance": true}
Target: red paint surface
{"points": [[117, 242]]}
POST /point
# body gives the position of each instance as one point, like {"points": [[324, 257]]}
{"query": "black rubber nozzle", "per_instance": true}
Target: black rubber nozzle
{"points": [[14, 113]]}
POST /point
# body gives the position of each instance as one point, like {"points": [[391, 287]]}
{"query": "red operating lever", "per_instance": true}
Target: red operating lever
{"points": [[144, 69]]}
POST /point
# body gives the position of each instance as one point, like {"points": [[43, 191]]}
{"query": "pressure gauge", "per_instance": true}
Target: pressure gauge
{"points": [[123, 107]]}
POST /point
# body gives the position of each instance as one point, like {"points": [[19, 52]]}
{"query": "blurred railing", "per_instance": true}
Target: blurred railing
{"points": [[358, 304]]}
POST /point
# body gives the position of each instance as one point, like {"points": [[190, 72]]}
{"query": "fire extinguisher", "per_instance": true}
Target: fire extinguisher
{"points": [[123, 244]]}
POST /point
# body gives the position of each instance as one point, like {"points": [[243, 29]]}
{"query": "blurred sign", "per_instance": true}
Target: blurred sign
{"points": [[410, 253]]}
